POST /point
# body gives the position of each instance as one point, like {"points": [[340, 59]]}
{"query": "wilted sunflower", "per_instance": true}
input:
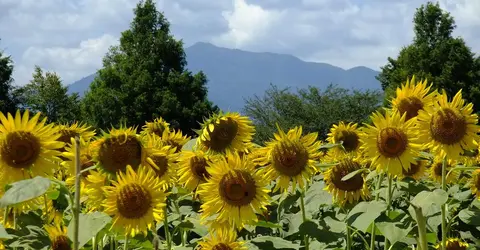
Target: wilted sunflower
{"points": [[454, 244], [436, 170], [290, 157], [117, 149], [192, 169], [449, 128], [413, 97], [67, 132], [225, 132], [235, 192], [27, 147], [475, 183], [347, 135], [390, 143], [221, 240], [162, 160], [349, 191], [58, 237], [135, 201], [175, 139], [416, 170], [157, 127], [94, 183]]}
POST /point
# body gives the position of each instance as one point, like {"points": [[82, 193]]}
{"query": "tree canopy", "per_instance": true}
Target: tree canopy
{"points": [[435, 55], [8, 101], [145, 77]]}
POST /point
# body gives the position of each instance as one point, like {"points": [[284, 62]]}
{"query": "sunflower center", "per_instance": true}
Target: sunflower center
{"points": [[455, 245], [221, 246], [223, 134], [20, 149], [174, 144], [410, 105], [133, 201], [391, 142], [237, 188], [290, 158], [341, 170], [119, 151], [438, 169], [61, 243], [65, 136], [162, 163], [448, 127], [86, 162], [414, 168], [350, 140], [198, 165]]}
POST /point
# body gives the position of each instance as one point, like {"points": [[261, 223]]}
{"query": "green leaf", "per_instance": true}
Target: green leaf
{"points": [[470, 216], [316, 197], [329, 145], [364, 213], [53, 194], [394, 232], [199, 228], [190, 144], [271, 243], [88, 169], [90, 225], [352, 174], [3, 233], [24, 190], [427, 199], [267, 224], [324, 235]]}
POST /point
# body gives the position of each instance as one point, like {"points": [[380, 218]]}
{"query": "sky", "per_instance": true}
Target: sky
{"points": [[70, 37]]}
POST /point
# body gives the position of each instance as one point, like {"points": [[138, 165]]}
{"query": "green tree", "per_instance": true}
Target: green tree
{"points": [[8, 101], [145, 77], [435, 55], [46, 94], [311, 108]]}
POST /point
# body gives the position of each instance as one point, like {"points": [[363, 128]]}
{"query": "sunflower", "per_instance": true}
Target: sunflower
{"points": [[54, 211], [135, 201], [175, 139], [225, 132], [67, 132], [58, 237], [157, 127], [470, 157], [349, 191], [449, 128], [86, 157], [234, 193], [94, 183], [290, 157], [436, 170], [8, 222], [192, 169], [347, 135], [162, 160], [391, 143], [221, 240], [475, 183], [117, 149], [413, 97], [416, 170], [454, 244], [27, 147]]}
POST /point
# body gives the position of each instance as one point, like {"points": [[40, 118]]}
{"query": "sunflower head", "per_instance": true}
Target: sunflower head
{"points": [[67, 132], [416, 170], [86, 157], [475, 183], [436, 170], [157, 127], [58, 237], [454, 244], [224, 239], [225, 132], [162, 159], [93, 185], [175, 138], [412, 97], [192, 169], [347, 135]]}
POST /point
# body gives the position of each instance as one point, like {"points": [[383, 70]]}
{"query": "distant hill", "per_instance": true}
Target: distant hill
{"points": [[236, 74]]}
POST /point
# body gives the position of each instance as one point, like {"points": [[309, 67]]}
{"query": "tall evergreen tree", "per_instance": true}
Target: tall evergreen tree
{"points": [[436, 55], [8, 102], [145, 77]]}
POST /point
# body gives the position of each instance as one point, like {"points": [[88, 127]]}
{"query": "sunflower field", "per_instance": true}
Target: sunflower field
{"points": [[408, 179]]}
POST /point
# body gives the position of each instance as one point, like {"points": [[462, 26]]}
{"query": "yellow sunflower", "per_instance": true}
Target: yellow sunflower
{"points": [[449, 128], [117, 149], [470, 157], [234, 193], [347, 135], [225, 132], [349, 191], [8, 222], [67, 132], [162, 160], [475, 183], [391, 143], [157, 127], [454, 244], [290, 157], [192, 169], [86, 157], [54, 211], [27, 147], [58, 237], [175, 139], [94, 183], [413, 97], [221, 240], [436, 170], [416, 170], [135, 201]]}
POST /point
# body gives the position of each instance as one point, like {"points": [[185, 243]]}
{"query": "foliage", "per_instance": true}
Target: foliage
{"points": [[312, 108], [145, 77], [8, 102], [436, 55]]}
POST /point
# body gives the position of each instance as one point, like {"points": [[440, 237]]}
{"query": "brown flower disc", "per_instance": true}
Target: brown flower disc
{"points": [[414, 168], [437, 167], [221, 246], [162, 163], [455, 246], [118, 152], [223, 135], [448, 127], [198, 166], [174, 144], [350, 140], [391, 142], [65, 136], [290, 158], [61, 243], [410, 105], [133, 201], [86, 161], [341, 170], [20, 149], [237, 188]]}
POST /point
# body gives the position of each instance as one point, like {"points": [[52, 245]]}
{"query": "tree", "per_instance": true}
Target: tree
{"points": [[8, 101], [435, 55], [145, 77], [313, 109], [46, 94]]}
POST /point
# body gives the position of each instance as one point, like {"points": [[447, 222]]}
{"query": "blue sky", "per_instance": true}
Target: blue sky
{"points": [[70, 37]]}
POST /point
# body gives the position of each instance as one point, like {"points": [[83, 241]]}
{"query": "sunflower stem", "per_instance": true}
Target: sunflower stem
{"points": [[386, 244], [76, 213], [167, 232], [304, 216], [112, 243], [125, 246], [422, 229], [94, 243], [377, 196], [444, 206], [349, 238]]}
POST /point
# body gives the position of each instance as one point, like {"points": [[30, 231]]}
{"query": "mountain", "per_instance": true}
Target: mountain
{"points": [[236, 74]]}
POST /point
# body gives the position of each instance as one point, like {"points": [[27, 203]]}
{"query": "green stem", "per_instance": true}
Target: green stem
{"points": [[304, 216], [167, 231], [349, 238], [422, 229], [125, 246], [94, 243], [112, 243], [76, 214], [377, 196], [386, 244], [444, 206]]}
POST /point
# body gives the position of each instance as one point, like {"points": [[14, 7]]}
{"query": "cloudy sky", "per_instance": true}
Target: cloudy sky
{"points": [[70, 37]]}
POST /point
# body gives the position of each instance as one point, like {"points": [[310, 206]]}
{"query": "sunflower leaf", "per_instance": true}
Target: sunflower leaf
{"points": [[364, 213], [270, 242], [25, 190], [470, 216], [189, 145], [353, 174], [90, 225]]}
